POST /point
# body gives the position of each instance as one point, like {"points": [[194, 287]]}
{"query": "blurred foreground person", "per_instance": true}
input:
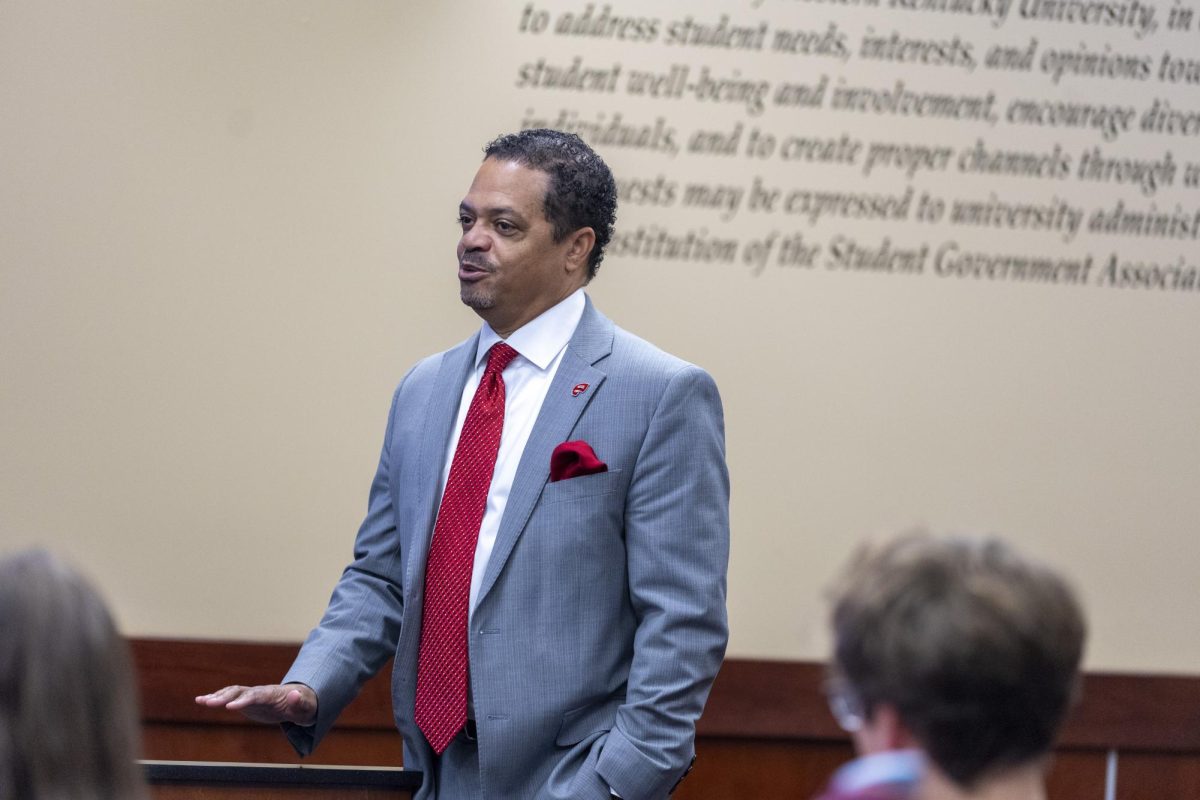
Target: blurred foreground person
{"points": [[955, 661], [68, 712]]}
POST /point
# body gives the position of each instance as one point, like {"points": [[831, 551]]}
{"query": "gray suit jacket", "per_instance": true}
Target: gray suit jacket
{"points": [[601, 620]]}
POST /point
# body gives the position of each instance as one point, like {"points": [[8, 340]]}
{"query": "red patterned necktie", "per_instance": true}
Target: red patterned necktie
{"points": [[441, 702]]}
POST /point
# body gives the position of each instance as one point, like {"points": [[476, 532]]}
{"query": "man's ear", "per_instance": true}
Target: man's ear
{"points": [[579, 249]]}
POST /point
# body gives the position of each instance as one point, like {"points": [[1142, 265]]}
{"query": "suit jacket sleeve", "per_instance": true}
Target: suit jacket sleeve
{"points": [[677, 540], [358, 632]]}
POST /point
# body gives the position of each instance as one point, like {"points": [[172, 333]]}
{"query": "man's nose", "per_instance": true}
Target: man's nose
{"points": [[474, 238]]}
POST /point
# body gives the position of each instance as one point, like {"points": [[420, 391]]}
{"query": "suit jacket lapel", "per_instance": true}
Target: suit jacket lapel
{"points": [[591, 342], [440, 415]]}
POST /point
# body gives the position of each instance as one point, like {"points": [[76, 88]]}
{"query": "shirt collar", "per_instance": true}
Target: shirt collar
{"points": [[898, 767], [540, 339]]}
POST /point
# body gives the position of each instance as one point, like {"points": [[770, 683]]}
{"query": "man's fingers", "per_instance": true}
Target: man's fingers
{"points": [[238, 698], [221, 696], [292, 703], [273, 698]]}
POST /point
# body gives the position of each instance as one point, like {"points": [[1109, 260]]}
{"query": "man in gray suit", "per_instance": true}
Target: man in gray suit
{"points": [[576, 663]]}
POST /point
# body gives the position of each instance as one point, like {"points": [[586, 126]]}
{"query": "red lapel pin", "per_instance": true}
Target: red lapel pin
{"points": [[579, 389]]}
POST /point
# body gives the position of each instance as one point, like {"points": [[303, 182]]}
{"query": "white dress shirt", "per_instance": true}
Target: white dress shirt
{"points": [[540, 343]]}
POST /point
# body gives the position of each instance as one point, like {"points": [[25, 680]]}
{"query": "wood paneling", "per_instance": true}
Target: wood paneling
{"points": [[1137, 712], [769, 699], [1076, 775], [763, 769], [1117, 711], [1158, 776], [766, 733], [173, 671]]}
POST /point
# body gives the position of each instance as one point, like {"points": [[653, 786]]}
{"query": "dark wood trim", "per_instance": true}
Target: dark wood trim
{"points": [[172, 672], [1137, 712], [770, 700], [1122, 711], [752, 699]]}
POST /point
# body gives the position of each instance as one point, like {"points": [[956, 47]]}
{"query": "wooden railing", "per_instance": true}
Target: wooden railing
{"points": [[765, 734]]}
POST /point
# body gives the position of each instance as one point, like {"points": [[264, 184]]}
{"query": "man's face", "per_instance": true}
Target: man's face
{"points": [[510, 269]]}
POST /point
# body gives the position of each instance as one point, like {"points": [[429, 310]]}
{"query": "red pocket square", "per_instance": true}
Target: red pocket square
{"points": [[572, 459]]}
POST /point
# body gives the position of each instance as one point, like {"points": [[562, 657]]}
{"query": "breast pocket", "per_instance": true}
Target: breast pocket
{"points": [[595, 485], [579, 521]]}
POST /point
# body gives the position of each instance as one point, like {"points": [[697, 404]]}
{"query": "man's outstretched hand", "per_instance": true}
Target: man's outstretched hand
{"points": [[291, 702]]}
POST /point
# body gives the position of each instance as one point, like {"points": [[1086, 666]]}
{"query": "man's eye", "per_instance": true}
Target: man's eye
{"points": [[463, 220], [505, 227]]}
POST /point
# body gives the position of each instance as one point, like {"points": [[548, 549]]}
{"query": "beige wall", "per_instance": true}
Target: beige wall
{"points": [[226, 231]]}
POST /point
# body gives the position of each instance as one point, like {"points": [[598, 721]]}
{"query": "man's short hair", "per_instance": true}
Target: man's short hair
{"points": [[977, 648], [581, 193]]}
